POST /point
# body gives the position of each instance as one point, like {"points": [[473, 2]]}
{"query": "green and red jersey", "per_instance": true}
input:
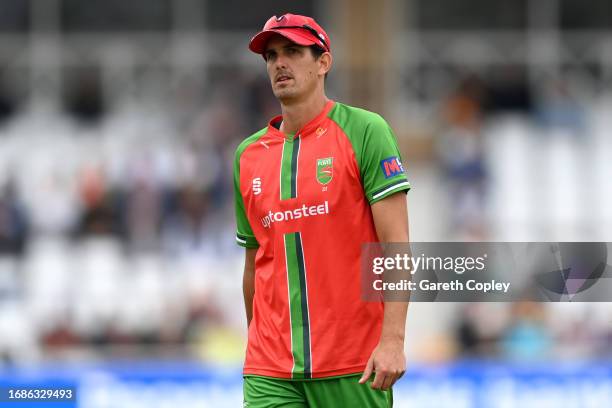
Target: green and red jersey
{"points": [[304, 201]]}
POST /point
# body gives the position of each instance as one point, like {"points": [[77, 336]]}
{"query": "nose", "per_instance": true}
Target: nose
{"points": [[280, 62]]}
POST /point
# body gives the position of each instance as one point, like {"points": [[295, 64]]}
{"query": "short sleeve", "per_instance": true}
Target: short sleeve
{"points": [[244, 232], [382, 170]]}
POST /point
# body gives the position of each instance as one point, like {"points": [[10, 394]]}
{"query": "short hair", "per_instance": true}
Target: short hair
{"points": [[316, 52]]}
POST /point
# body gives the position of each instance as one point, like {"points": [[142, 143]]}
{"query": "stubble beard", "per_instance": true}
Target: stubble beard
{"points": [[285, 93]]}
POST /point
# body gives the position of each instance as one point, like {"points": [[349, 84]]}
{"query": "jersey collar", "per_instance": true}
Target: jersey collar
{"points": [[308, 127]]}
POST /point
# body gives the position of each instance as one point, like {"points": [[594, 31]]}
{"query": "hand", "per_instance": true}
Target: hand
{"points": [[389, 363]]}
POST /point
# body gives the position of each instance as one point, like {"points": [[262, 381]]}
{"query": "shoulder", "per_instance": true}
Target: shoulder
{"points": [[356, 115], [347, 116], [249, 141]]}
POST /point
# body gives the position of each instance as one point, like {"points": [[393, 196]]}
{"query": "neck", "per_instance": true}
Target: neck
{"points": [[296, 114]]}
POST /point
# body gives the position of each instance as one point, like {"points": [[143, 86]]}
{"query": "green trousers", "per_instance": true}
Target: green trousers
{"points": [[345, 391]]}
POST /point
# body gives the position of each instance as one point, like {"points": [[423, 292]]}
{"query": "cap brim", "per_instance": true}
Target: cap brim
{"points": [[301, 37]]}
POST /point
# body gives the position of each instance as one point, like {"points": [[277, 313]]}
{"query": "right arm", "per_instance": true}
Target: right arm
{"points": [[244, 233], [248, 282]]}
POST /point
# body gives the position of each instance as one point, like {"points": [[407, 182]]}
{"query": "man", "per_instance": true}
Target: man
{"points": [[313, 186]]}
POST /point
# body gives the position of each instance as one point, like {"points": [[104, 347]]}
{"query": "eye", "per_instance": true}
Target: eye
{"points": [[269, 55]]}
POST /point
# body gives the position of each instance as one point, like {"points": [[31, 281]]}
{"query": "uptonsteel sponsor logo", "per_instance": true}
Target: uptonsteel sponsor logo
{"points": [[297, 213]]}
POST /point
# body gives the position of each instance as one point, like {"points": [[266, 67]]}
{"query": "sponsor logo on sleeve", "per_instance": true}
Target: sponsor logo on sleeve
{"points": [[391, 166]]}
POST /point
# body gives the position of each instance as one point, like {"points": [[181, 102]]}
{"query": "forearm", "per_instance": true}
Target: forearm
{"points": [[391, 220], [248, 290], [396, 304], [394, 321]]}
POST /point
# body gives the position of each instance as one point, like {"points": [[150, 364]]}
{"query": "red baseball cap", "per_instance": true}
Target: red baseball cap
{"points": [[301, 30]]}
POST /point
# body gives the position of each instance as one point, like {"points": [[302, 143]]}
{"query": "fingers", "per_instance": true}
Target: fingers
{"points": [[388, 382], [379, 378], [368, 371], [385, 379]]}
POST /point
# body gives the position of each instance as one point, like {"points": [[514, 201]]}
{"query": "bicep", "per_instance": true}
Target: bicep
{"points": [[391, 218]]}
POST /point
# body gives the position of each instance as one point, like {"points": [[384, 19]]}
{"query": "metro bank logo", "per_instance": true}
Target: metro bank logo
{"points": [[391, 166]]}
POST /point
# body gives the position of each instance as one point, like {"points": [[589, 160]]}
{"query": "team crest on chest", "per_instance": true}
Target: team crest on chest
{"points": [[325, 170]]}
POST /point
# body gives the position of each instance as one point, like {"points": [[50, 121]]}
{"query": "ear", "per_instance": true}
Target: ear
{"points": [[325, 63]]}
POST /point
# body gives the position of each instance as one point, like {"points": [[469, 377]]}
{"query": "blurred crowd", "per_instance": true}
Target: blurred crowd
{"points": [[529, 331]]}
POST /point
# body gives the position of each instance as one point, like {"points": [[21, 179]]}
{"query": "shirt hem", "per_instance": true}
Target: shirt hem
{"points": [[283, 375]]}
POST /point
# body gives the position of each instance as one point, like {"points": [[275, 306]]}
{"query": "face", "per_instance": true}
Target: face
{"points": [[293, 71]]}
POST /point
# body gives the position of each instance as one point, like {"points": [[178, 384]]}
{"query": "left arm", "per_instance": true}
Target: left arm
{"points": [[388, 360]]}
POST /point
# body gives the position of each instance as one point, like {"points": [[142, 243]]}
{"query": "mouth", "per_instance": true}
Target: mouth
{"points": [[283, 79]]}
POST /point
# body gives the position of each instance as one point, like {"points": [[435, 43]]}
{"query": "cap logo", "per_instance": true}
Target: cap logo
{"points": [[280, 18]]}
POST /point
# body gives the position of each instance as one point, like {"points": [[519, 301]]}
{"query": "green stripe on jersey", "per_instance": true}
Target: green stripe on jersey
{"points": [[298, 306], [289, 168]]}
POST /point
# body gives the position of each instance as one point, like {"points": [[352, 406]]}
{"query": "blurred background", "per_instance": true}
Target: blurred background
{"points": [[118, 123]]}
